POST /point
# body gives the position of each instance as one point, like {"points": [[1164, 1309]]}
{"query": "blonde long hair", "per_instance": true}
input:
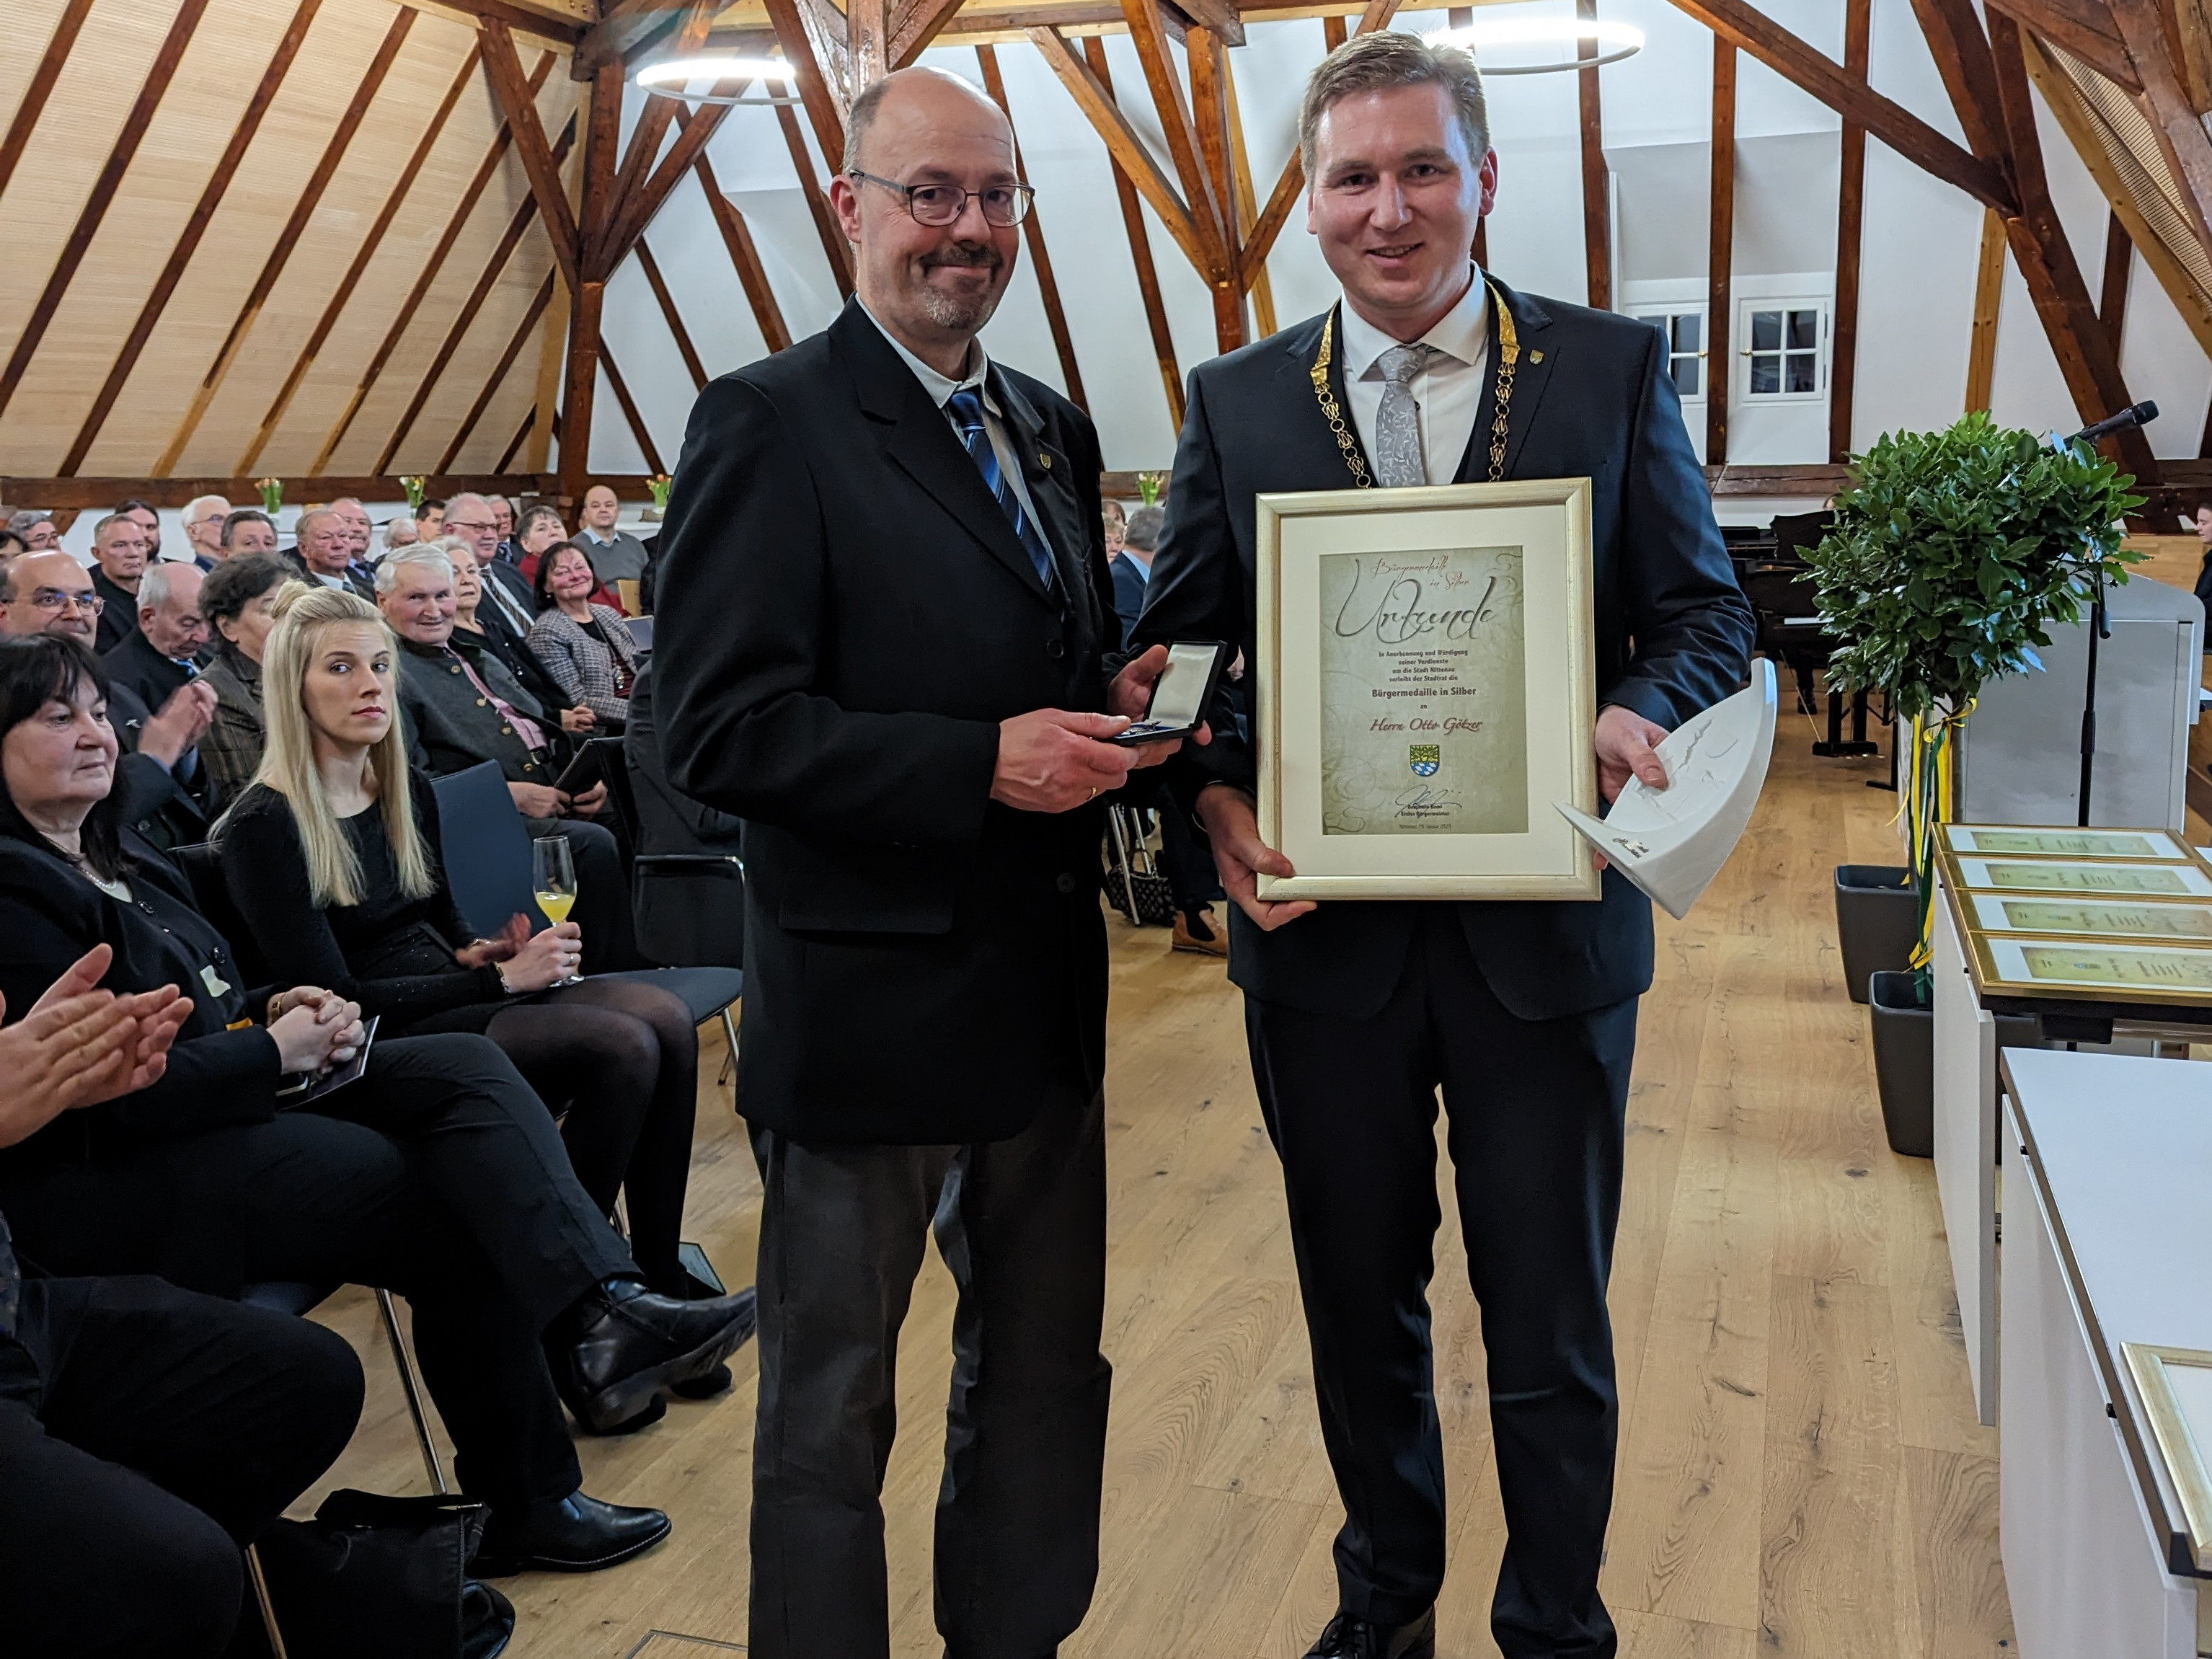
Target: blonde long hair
{"points": [[304, 615]]}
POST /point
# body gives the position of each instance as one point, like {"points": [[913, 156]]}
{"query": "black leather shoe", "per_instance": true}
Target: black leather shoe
{"points": [[574, 1534], [620, 1344], [1348, 1637], [708, 1383]]}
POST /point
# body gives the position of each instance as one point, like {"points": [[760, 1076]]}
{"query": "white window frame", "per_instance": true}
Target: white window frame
{"points": [[1654, 313], [1821, 306]]}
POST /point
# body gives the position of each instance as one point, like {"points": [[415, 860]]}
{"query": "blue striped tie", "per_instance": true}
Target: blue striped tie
{"points": [[966, 407]]}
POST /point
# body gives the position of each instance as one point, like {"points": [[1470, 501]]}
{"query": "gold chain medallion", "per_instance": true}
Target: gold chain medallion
{"points": [[1509, 359]]}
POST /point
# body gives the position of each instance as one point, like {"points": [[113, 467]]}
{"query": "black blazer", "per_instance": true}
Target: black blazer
{"points": [[119, 612], [847, 616], [1673, 631], [154, 802], [1129, 586], [137, 664]]}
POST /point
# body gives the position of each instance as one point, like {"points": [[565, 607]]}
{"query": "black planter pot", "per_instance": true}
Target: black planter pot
{"points": [[1877, 921], [1904, 1059]]}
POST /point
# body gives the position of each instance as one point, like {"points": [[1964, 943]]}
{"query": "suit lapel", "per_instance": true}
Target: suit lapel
{"points": [[1532, 374], [1315, 434], [920, 441], [1049, 477]]}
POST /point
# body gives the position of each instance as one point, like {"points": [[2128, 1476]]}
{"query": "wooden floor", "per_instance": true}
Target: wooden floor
{"points": [[1800, 1471]]}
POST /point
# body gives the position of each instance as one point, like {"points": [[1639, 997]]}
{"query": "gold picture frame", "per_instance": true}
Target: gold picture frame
{"points": [[2162, 1377], [1426, 691], [2054, 841], [2152, 973]]}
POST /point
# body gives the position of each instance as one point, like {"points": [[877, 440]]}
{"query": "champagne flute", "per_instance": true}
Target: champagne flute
{"points": [[553, 880]]}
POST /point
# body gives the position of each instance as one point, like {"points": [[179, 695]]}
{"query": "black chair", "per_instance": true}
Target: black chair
{"points": [[486, 853]]}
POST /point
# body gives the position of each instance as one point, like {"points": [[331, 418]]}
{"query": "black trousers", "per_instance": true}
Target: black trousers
{"points": [[166, 1428], [1022, 1225], [1536, 1114]]}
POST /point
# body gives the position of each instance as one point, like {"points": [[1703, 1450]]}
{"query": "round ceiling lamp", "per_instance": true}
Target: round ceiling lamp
{"points": [[721, 72], [1517, 46]]}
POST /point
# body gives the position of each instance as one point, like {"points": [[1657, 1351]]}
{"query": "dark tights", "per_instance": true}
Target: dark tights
{"points": [[622, 1055]]}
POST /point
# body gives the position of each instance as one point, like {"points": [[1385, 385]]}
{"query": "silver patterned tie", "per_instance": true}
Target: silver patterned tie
{"points": [[1398, 458]]}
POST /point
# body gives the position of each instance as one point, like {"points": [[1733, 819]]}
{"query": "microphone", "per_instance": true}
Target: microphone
{"points": [[2142, 414]]}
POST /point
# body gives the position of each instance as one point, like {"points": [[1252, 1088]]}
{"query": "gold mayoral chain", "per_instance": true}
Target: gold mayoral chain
{"points": [[1508, 358]]}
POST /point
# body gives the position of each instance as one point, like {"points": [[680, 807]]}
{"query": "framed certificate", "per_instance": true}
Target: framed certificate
{"points": [[2035, 840], [2135, 920], [2096, 971], [2175, 1386], [2084, 879], [1426, 691]]}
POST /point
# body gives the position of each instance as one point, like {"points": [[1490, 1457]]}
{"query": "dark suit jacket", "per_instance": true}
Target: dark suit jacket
{"points": [[359, 578], [1129, 587], [1673, 631], [156, 803], [668, 821], [137, 664], [451, 726], [118, 616], [846, 617]]}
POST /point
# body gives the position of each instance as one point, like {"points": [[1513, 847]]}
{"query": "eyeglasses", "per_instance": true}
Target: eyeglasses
{"points": [[60, 599], [938, 205]]}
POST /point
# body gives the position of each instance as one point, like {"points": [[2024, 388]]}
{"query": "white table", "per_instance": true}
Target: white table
{"points": [[2107, 1170]]}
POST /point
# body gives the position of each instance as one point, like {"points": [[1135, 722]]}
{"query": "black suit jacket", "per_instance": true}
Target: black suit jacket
{"points": [[137, 664], [118, 614], [1673, 630], [155, 802], [846, 618]]}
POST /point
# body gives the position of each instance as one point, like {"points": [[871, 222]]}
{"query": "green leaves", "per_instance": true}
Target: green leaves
{"points": [[1953, 550]]}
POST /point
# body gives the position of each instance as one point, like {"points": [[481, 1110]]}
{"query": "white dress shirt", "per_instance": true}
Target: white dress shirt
{"points": [[940, 390], [1448, 387]]}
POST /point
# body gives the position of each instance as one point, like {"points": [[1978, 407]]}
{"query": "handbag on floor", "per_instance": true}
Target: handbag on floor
{"points": [[372, 1576]]}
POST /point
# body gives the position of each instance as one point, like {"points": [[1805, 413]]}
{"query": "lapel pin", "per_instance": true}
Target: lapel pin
{"points": [[1535, 356], [1044, 460]]}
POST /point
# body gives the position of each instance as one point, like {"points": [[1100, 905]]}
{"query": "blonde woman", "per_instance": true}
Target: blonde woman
{"points": [[331, 858]]}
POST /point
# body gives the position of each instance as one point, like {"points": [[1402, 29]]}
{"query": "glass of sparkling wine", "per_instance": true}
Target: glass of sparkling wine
{"points": [[553, 879]]}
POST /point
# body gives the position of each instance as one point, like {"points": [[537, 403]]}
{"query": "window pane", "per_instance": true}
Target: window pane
{"points": [[1765, 373], [1661, 324], [1686, 331], [1686, 375], [1765, 331], [1804, 330], [1800, 374]]}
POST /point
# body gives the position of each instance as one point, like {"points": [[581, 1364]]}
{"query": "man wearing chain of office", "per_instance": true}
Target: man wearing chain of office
{"points": [[1524, 1014]]}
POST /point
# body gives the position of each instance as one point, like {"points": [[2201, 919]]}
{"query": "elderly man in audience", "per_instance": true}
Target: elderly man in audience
{"points": [[162, 656], [240, 604], [119, 553], [399, 531], [146, 1432], [248, 532], [437, 1173], [37, 530], [325, 552], [360, 529], [51, 594], [475, 520], [203, 520], [462, 710], [502, 518], [615, 554]]}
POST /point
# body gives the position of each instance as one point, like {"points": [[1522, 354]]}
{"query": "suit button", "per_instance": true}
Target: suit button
{"points": [[1065, 882], [1053, 648], [481, 703]]}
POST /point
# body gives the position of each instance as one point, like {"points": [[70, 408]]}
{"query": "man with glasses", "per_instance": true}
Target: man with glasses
{"points": [[475, 520], [37, 530], [204, 522], [885, 648], [51, 594]]}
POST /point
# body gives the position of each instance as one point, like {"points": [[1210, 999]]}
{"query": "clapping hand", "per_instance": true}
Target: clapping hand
{"points": [[80, 1045], [500, 947]]}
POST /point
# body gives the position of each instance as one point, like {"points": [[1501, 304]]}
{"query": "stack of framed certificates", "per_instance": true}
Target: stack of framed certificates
{"points": [[2087, 915]]}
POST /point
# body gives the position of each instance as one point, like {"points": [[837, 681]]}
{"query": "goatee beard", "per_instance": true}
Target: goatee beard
{"points": [[966, 313]]}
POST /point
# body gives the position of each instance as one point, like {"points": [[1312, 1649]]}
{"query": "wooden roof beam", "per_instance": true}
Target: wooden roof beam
{"points": [[2084, 27], [1850, 203], [917, 28], [287, 239], [645, 141], [2174, 116], [102, 194], [41, 87], [561, 26], [503, 68], [1961, 52], [188, 241], [744, 258], [98, 494], [824, 107], [1055, 315], [1148, 34], [1209, 95], [1744, 27], [636, 209], [1140, 253], [1290, 184], [1720, 256], [498, 375], [651, 267], [834, 248]]}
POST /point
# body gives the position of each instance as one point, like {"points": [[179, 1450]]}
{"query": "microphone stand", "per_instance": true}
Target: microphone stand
{"points": [[2100, 627]]}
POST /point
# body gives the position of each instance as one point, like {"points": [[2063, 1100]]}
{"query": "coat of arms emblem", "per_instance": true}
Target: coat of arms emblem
{"points": [[1424, 758]]}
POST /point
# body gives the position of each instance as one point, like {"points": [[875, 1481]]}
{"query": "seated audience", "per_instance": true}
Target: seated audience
{"points": [[615, 554], [479, 628], [248, 532], [12, 547], [118, 556], [462, 708], [324, 553], [146, 1432], [667, 820], [239, 602], [540, 528], [142, 514], [203, 520], [398, 531], [161, 656], [50, 593], [474, 519], [37, 530], [503, 522], [360, 531], [341, 890], [584, 642], [436, 1173], [430, 521], [1132, 565]]}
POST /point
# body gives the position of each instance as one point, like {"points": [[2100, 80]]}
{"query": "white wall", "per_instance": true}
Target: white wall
{"points": [[1920, 238]]}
